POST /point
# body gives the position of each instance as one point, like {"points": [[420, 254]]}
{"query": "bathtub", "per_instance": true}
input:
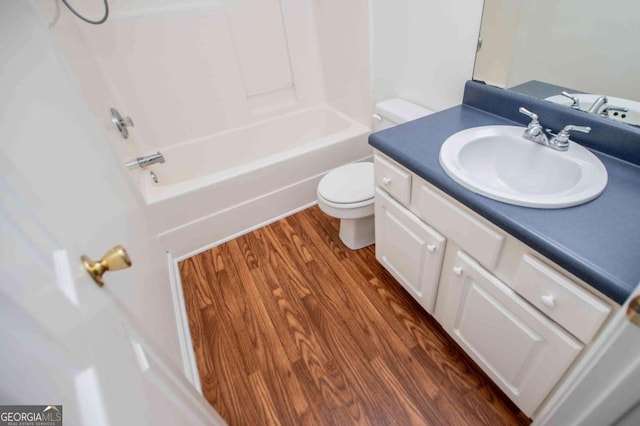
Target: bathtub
{"points": [[215, 188]]}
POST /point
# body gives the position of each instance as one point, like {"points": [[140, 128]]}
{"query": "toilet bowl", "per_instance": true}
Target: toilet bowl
{"points": [[347, 192]]}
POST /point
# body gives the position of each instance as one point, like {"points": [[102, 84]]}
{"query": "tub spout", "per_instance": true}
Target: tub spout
{"points": [[147, 160]]}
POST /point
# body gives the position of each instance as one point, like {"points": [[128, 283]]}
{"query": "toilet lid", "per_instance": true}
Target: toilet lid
{"points": [[352, 183]]}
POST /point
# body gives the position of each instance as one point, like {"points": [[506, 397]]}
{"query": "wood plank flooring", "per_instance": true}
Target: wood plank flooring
{"points": [[290, 327]]}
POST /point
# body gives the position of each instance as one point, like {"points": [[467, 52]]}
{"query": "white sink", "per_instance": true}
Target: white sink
{"points": [[498, 163], [630, 117]]}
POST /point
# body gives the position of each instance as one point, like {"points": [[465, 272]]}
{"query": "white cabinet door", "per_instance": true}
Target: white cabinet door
{"points": [[410, 250], [519, 348]]}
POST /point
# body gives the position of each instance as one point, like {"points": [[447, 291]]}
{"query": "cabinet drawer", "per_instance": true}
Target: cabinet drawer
{"points": [[519, 348], [562, 300], [393, 178], [410, 250], [481, 242]]}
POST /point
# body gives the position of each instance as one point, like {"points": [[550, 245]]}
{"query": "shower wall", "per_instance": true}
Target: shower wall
{"points": [[184, 70]]}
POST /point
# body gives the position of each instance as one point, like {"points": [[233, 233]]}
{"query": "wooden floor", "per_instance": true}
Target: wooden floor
{"points": [[290, 327]]}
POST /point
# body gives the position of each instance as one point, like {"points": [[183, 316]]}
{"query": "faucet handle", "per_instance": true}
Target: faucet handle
{"points": [[572, 128], [576, 101], [605, 111], [561, 140], [533, 116]]}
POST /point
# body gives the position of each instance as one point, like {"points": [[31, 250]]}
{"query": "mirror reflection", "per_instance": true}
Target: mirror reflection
{"points": [[587, 48]]}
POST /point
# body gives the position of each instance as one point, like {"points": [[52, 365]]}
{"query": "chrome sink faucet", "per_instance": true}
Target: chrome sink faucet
{"points": [[597, 104], [536, 133], [603, 101]]}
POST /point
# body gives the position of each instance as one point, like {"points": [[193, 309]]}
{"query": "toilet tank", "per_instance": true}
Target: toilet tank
{"points": [[396, 111]]}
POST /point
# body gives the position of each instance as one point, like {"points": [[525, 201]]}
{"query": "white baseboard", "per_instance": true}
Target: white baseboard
{"points": [[182, 321]]}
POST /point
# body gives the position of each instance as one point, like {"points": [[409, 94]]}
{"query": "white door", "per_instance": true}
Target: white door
{"points": [[66, 342], [109, 355]]}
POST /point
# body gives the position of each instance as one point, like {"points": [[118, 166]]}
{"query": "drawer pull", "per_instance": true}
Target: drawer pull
{"points": [[548, 300], [386, 180], [431, 248], [457, 270]]}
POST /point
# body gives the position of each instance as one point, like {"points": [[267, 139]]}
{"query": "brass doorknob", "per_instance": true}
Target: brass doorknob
{"points": [[113, 260], [633, 311]]}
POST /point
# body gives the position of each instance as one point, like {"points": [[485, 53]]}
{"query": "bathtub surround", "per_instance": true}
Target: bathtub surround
{"points": [[187, 70]]}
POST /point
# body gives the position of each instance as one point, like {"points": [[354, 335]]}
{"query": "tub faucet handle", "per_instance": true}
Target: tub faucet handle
{"points": [[146, 160], [121, 122]]}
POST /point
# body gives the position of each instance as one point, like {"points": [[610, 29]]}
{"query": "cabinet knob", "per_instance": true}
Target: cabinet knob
{"points": [[548, 300], [431, 248], [457, 270], [386, 180]]}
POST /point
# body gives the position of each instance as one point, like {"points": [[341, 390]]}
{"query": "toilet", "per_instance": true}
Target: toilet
{"points": [[347, 192]]}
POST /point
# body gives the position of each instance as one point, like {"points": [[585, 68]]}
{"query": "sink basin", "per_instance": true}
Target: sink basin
{"points": [[630, 117], [498, 163]]}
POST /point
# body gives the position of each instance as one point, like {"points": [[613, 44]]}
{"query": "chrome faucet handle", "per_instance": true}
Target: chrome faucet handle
{"points": [[121, 122], [561, 140], [532, 115], [605, 111], [576, 101], [534, 131], [146, 161]]}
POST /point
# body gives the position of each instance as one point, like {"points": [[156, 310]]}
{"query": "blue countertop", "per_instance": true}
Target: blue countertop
{"points": [[598, 242]]}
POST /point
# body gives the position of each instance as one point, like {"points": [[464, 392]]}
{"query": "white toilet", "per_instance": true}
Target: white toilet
{"points": [[347, 192]]}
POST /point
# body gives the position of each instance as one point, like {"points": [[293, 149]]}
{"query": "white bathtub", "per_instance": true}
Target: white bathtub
{"points": [[215, 188]]}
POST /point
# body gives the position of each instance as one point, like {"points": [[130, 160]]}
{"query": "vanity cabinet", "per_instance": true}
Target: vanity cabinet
{"points": [[521, 318], [409, 249], [524, 352]]}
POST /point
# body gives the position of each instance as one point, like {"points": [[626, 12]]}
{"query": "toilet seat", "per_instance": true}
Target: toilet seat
{"points": [[346, 206], [348, 186]]}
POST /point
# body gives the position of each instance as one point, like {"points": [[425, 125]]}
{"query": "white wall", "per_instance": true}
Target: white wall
{"points": [[424, 50]]}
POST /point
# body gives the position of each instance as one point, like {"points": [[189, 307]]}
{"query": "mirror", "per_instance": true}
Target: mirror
{"points": [[543, 47]]}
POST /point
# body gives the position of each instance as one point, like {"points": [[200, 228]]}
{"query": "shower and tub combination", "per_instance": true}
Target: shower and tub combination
{"points": [[249, 103], [213, 188]]}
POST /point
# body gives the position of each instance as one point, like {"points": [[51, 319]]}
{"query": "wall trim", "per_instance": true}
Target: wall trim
{"points": [[244, 231], [182, 322]]}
